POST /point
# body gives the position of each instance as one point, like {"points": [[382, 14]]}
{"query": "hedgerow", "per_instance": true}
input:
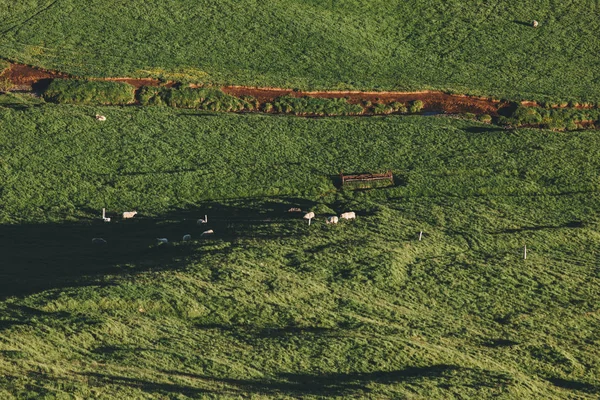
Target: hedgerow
{"points": [[74, 91], [210, 99], [552, 118], [315, 106]]}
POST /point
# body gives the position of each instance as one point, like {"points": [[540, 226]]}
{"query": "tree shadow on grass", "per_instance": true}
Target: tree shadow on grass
{"points": [[575, 385], [37, 257], [287, 384]]}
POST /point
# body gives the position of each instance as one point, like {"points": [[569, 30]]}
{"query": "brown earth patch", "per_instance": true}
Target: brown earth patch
{"points": [[433, 101], [25, 77]]}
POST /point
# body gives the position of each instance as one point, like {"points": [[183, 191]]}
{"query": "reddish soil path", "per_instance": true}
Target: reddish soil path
{"points": [[25, 77], [434, 101]]}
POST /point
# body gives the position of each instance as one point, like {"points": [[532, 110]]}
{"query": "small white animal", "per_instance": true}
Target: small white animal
{"points": [[208, 232], [309, 215], [187, 237], [535, 23], [100, 117], [98, 241], [294, 209], [332, 220], [202, 221], [348, 215], [129, 214], [162, 240]]}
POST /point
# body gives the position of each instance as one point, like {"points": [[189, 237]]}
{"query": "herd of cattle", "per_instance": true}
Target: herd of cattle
{"points": [[187, 237]]}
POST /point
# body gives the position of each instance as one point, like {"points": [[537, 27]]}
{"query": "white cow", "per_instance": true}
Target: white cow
{"points": [[187, 237], [129, 214], [332, 220], [309, 216], [98, 241], [535, 23], [348, 215], [100, 117], [162, 240], [208, 232]]}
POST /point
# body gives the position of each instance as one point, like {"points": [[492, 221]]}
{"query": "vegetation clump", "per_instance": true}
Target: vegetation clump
{"points": [[416, 106], [315, 106], [210, 99], [76, 91], [553, 118]]}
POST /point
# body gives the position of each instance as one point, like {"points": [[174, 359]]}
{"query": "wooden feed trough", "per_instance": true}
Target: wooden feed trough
{"points": [[367, 178]]}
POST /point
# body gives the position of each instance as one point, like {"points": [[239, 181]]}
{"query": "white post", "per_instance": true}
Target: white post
{"points": [[309, 221], [103, 213], [525, 253], [420, 235], [205, 218]]}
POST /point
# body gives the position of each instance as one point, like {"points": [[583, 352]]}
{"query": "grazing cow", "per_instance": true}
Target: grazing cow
{"points": [[162, 240], [208, 232], [100, 117], [309, 216], [348, 215], [98, 241], [294, 209], [187, 237], [129, 214], [332, 220], [202, 221], [535, 23]]}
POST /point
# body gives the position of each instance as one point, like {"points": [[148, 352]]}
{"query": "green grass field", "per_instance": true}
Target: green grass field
{"points": [[479, 47], [270, 307]]}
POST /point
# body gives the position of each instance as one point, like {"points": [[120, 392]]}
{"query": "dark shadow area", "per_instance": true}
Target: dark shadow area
{"points": [[41, 85], [575, 385], [508, 110], [484, 129], [147, 386], [495, 343], [523, 23], [43, 256], [12, 315], [292, 384]]}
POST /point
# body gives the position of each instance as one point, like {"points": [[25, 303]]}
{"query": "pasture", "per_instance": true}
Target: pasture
{"points": [[478, 47], [268, 306]]}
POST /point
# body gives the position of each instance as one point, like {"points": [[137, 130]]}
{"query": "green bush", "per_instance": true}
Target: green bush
{"points": [[268, 107], [416, 106], [485, 118], [469, 116], [527, 116], [151, 96], [382, 109], [209, 99], [315, 106], [75, 91]]}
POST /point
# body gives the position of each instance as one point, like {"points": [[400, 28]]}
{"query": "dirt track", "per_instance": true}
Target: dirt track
{"points": [[24, 77]]}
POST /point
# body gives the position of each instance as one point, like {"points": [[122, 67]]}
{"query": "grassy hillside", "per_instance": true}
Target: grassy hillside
{"points": [[482, 47], [270, 307]]}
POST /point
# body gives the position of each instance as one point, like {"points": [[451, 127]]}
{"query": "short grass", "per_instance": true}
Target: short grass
{"points": [[480, 47], [270, 307]]}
